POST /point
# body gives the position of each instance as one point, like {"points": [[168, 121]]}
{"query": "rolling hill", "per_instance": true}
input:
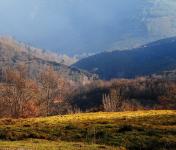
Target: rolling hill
{"points": [[13, 53], [124, 130], [146, 60]]}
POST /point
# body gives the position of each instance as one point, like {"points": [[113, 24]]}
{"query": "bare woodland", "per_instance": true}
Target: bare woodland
{"points": [[50, 94], [23, 97]]}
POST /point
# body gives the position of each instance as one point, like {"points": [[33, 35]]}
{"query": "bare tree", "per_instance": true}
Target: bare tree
{"points": [[52, 88], [17, 91], [112, 102]]}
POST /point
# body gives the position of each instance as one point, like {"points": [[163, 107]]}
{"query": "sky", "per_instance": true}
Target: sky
{"points": [[87, 26]]}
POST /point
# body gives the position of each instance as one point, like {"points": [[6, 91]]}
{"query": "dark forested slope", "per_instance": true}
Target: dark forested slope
{"points": [[148, 59]]}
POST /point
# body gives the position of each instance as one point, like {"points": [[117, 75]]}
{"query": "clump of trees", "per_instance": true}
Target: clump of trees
{"points": [[21, 96], [112, 102], [140, 93], [17, 92], [52, 89], [127, 95]]}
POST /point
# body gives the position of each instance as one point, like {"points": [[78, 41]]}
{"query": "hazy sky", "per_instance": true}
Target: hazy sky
{"points": [[77, 26]]}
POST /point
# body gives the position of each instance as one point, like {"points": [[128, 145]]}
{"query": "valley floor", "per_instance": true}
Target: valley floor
{"points": [[122, 130]]}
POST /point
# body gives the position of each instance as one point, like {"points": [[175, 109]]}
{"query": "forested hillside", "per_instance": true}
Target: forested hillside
{"points": [[146, 60], [13, 53]]}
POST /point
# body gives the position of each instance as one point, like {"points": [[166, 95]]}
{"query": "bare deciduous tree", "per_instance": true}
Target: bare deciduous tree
{"points": [[52, 88], [112, 102], [17, 91]]}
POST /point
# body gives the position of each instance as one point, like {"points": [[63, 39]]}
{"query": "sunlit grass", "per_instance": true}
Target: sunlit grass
{"points": [[140, 129], [34, 144], [104, 115]]}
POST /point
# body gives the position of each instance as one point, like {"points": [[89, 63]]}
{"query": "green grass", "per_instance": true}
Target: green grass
{"points": [[36, 144], [132, 130]]}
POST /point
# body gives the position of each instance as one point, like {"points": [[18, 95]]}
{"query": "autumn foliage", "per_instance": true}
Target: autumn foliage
{"points": [[48, 93], [24, 97]]}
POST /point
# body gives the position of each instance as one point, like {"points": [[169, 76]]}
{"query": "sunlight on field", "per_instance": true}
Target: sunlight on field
{"points": [[32, 144], [103, 115], [140, 129]]}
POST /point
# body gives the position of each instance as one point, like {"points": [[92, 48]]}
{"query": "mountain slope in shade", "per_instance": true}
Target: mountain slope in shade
{"points": [[13, 54], [148, 59]]}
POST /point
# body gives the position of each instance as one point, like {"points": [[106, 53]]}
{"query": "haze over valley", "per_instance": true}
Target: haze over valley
{"points": [[87, 27], [88, 74]]}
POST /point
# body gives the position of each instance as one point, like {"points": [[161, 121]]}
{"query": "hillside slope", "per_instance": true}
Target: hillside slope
{"points": [[37, 52], [132, 130], [13, 54], [148, 59]]}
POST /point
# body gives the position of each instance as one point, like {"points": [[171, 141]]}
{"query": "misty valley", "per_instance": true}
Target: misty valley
{"points": [[87, 75]]}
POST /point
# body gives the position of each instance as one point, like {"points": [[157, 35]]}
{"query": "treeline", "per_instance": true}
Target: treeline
{"points": [[47, 93], [20, 96], [127, 95]]}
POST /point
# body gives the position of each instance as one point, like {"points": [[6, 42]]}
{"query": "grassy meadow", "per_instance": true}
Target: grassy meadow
{"points": [[35, 144], [95, 131]]}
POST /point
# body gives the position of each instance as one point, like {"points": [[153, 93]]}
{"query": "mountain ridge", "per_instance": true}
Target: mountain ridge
{"points": [[151, 58]]}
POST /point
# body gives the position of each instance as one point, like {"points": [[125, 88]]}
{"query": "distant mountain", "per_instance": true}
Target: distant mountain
{"points": [[13, 53], [74, 27], [145, 60]]}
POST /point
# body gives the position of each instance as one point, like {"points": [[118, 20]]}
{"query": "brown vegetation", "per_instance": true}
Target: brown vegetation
{"points": [[23, 97], [50, 94], [127, 95]]}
